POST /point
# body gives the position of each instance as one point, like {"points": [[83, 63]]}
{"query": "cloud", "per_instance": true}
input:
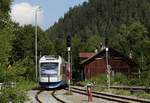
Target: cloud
{"points": [[24, 13]]}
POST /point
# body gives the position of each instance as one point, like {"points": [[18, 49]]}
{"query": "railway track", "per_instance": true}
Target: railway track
{"points": [[111, 97], [51, 93], [145, 89], [37, 96], [81, 90]]}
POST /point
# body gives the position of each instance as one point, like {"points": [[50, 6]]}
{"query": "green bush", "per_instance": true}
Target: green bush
{"points": [[99, 79], [143, 95], [135, 82], [2, 73], [21, 70], [146, 78], [120, 92], [27, 85], [17, 94], [12, 95], [119, 79]]}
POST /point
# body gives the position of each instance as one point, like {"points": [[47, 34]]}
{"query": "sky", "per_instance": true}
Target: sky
{"points": [[23, 11]]}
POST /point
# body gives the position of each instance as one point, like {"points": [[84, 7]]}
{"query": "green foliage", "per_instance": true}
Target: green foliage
{"points": [[76, 47], [5, 8], [120, 92], [135, 82], [17, 94], [6, 35], [143, 95], [21, 70], [26, 85], [92, 43], [101, 16], [2, 73], [60, 47], [125, 22], [24, 43], [133, 38], [130, 37], [99, 79], [146, 78], [119, 79], [12, 95]]}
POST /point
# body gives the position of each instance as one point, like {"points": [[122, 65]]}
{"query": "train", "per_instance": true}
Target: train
{"points": [[52, 71]]}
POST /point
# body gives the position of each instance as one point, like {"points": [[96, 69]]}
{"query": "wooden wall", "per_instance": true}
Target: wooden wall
{"points": [[98, 66]]}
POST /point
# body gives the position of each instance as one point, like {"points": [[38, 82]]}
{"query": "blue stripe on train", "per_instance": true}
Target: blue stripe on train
{"points": [[50, 84]]}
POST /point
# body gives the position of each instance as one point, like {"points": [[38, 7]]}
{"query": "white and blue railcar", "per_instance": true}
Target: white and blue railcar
{"points": [[51, 73]]}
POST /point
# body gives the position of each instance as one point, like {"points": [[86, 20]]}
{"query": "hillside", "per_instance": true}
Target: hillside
{"points": [[126, 24], [101, 17]]}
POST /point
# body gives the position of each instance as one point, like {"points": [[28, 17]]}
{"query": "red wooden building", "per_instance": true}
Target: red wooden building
{"points": [[96, 63]]}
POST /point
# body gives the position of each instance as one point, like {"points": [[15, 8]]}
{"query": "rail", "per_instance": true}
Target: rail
{"points": [[37, 97], [53, 94], [111, 97], [131, 88]]}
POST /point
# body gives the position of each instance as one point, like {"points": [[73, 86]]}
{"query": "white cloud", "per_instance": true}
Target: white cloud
{"points": [[24, 13]]}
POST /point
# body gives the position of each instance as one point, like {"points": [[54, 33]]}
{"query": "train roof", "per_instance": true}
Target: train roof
{"points": [[50, 57]]}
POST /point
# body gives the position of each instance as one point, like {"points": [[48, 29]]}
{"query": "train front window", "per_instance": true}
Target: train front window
{"points": [[49, 66]]}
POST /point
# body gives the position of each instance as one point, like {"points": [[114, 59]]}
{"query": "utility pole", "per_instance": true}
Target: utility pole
{"points": [[36, 62], [108, 69], [36, 44], [69, 67], [69, 60]]}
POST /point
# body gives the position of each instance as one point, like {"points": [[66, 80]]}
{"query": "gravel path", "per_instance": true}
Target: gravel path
{"points": [[31, 95], [46, 97]]}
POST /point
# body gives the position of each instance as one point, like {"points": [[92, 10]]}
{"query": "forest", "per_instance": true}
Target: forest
{"points": [[125, 23]]}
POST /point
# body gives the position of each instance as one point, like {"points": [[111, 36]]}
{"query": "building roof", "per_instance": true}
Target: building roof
{"points": [[112, 53], [86, 54]]}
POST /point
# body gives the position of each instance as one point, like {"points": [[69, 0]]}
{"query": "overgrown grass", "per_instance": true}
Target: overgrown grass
{"points": [[18, 93], [142, 95], [118, 79], [13, 95], [27, 85], [20, 73], [122, 92]]}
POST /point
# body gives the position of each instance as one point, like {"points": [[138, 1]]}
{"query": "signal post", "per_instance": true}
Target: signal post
{"points": [[69, 61]]}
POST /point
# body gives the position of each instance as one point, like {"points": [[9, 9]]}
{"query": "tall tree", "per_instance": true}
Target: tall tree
{"points": [[5, 8], [24, 43]]}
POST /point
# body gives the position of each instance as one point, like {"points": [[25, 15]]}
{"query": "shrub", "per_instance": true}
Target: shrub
{"points": [[17, 94], [120, 79], [135, 82], [12, 95], [27, 85], [146, 78], [2, 73], [99, 79], [21, 70]]}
